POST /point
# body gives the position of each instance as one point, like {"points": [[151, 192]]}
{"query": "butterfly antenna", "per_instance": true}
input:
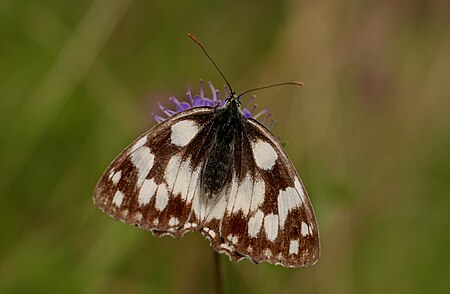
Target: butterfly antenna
{"points": [[209, 57], [270, 86]]}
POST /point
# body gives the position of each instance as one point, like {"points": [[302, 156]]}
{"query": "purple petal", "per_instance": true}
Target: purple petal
{"points": [[214, 92], [262, 112], [189, 95], [246, 113], [202, 101], [180, 105], [157, 118]]}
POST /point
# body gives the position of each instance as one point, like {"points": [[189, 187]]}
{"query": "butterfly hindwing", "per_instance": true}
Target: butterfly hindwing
{"points": [[152, 183]]}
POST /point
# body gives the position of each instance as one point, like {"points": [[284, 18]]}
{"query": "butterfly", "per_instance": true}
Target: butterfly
{"points": [[215, 170]]}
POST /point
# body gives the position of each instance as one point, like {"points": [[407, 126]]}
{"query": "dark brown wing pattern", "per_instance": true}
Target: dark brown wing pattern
{"points": [[263, 213]]}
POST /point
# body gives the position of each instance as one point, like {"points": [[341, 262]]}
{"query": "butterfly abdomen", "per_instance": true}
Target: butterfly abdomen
{"points": [[216, 171]]}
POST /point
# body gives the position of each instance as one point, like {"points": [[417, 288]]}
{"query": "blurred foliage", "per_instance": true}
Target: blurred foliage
{"points": [[369, 133]]}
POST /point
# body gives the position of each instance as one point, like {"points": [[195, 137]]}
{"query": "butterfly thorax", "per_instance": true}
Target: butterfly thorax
{"points": [[226, 126]]}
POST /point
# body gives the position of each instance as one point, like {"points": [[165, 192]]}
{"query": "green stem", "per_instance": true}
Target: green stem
{"points": [[218, 275]]}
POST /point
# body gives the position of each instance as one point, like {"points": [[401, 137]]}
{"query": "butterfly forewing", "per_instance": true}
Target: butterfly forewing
{"points": [[153, 181]]}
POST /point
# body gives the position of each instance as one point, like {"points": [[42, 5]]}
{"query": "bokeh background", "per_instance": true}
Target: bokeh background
{"points": [[369, 134]]}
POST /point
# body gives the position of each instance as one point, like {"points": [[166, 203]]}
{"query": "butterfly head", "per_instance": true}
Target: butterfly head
{"points": [[233, 99]]}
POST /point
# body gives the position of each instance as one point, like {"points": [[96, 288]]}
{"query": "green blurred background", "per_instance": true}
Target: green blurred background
{"points": [[369, 134]]}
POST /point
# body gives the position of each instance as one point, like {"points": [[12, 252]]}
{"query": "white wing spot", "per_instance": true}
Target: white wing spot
{"points": [[217, 209], [233, 238], [189, 225], [156, 221], [143, 160], [116, 177], [304, 229], [147, 191], [287, 200], [255, 223], [210, 232], [259, 189], [170, 174], [196, 201], [192, 185], [138, 216], [139, 143], [267, 253], [242, 201], [118, 198], [293, 247], [183, 132], [111, 173], [265, 155], [173, 221], [271, 226], [183, 178], [226, 246], [162, 197], [299, 188], [233, 193]]}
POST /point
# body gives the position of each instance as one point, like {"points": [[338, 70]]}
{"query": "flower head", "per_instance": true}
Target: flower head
{"points": [[200, 101]]}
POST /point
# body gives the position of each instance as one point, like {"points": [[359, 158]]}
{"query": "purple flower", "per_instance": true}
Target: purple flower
{"points": [[201, 100]]}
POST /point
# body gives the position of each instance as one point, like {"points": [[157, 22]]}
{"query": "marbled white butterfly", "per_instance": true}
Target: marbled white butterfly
{"points": [[214, 169]]}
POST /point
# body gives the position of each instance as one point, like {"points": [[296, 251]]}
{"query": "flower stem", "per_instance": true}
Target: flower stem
{"points": [[218, 275]]}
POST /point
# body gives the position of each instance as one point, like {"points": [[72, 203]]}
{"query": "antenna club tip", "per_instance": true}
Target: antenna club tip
{"points": [[192, 37], [299, 83]]}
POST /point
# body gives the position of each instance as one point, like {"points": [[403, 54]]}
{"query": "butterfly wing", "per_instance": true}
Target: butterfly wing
{"points": [[264, 213], [152, 183]]}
